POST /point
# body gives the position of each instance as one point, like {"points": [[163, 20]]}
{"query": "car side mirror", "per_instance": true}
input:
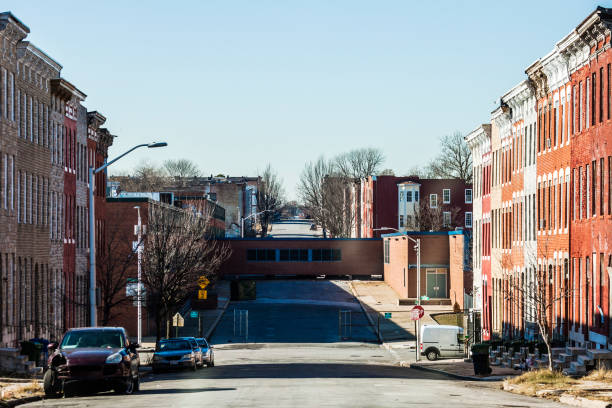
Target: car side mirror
{"points": [[52, 346]]}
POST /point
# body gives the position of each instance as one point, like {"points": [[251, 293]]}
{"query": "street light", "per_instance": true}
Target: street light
{"points": [[92, 237], [139, 290], [417, 247], [246, 218]]}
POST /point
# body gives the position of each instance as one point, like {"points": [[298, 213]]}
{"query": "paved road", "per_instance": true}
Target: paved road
{"points": [[309, 375], [292, 229], [301, 311], [278, 371]]}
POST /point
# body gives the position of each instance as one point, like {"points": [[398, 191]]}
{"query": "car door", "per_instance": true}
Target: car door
{"points": [[448, 342]]}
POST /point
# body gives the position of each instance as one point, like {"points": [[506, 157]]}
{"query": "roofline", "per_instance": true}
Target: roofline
{"points": [[43, 56], [9, 16], [421, 233]]}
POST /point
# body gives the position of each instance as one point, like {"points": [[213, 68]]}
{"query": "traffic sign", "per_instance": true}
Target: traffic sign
{"points": [[203, 282], [202, 294], [387, 315], [177, 320], [193, 314], [417, 312]]}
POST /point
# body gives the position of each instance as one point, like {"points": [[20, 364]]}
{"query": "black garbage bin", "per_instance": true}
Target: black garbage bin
{"points": [[480, 359], [32, 350]]}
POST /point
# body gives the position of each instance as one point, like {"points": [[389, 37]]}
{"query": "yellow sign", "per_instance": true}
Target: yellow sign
{"points": [[202, 294], [203, 282]]}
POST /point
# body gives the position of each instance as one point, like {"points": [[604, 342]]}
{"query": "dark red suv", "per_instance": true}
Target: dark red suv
{"points": [[100, 356]]}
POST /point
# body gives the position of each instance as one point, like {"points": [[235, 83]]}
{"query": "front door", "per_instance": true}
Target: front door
{"points": [[436, 283]]}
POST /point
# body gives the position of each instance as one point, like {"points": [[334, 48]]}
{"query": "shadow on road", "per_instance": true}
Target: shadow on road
{"points": [[183, 390], [305, 370]]}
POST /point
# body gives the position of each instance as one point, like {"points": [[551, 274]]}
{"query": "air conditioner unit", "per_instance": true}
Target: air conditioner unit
{"points": [[548, 143]]}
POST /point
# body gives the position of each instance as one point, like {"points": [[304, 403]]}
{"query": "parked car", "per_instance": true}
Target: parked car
{"points": [[441, 341], [174, 353], [199, 355], [102, 356], [207, 352]]}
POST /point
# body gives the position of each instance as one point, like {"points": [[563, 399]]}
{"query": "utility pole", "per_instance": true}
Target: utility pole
{"points": [[139, 288]]}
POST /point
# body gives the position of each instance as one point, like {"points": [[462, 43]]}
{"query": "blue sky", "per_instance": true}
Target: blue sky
{"points": [[234, 85]]}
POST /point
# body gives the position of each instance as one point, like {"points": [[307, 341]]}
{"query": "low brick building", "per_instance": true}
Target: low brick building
{"points": [[444, 279], [303, 257]]}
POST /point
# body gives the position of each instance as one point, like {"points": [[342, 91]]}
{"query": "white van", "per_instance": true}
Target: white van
{"points": [[441, 341]]}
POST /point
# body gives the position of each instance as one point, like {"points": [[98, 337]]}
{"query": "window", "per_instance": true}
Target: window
{"points": [[446, 219], [601, 186], [386, 251], [409, 221], [601, 94], [608, 91], [401, 221], [416, 196], [580, 105], [587, 116], [433, 200], [401, 196], [446, 196], [295, 255], [609, 185], [468, 195], [468, 219], [408, 196], [593, 100], [593, 188]]}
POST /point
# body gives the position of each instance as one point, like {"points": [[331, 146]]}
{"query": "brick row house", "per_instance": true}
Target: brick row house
{"points": [[543, 182], [409, 204], [47, 141]]}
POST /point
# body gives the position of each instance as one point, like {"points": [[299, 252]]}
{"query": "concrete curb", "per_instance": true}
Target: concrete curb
{"points": [[583, 402], [216, 322], [363, 309], [457, 376], [20, 401]]}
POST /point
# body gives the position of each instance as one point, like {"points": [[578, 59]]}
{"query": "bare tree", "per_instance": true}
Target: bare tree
{"points": [[387, 172], [359, 163], [433, 219], [533, 294], [420, 172], [181, 169], [115, 260], [454, 159], [325, 193], [269, 197], [145, 176], [178, 248]]}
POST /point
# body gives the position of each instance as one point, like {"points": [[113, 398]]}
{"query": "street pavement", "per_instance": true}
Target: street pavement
{"points": [[274, 369], [293, 229]]}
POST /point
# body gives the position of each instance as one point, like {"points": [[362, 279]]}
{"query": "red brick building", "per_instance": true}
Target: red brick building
{"points": [[43, 190], [386, 201], [443, 277], [553, 130]]}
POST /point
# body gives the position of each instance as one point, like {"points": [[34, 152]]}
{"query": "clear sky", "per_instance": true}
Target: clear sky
{"points": [[234, 85]]}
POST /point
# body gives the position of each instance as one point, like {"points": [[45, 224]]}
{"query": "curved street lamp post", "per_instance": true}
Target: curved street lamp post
{"points": [[92, 237]]}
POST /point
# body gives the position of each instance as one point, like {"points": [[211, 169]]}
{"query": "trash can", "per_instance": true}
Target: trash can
{"points": [[480, 359], [32, 350]]}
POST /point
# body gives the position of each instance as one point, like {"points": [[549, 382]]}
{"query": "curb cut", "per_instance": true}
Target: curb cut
{"points": [[457, 376], [216, 322], [20, 401]]}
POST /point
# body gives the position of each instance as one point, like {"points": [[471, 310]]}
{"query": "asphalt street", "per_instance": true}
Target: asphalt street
{"points": [[275, 369]]}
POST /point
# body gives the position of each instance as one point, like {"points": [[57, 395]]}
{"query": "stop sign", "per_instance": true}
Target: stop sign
{"points": [[417, 312]]}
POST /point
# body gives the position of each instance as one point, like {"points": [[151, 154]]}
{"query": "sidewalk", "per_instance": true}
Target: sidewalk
{"points": [[458, 368]]}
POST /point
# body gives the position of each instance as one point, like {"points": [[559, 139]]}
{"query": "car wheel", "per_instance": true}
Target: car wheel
{"points": [[432, 355], [125, 388], [51, 383]]}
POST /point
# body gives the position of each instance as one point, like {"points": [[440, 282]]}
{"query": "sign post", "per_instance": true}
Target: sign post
{"points": [[178, 321], [415, 314]]}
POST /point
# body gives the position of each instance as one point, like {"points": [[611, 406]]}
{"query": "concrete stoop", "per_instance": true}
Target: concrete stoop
{"points": [[11, 361]]}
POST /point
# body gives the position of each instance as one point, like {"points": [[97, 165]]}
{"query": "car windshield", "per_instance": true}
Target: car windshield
{"points": [[202, 343], [171, 345], [93, 339]]}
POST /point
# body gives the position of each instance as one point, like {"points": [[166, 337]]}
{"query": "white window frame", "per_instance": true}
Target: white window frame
{"points": [[433, 200], [471, 196], [446, 216], [468, 215], [444, 192]]}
